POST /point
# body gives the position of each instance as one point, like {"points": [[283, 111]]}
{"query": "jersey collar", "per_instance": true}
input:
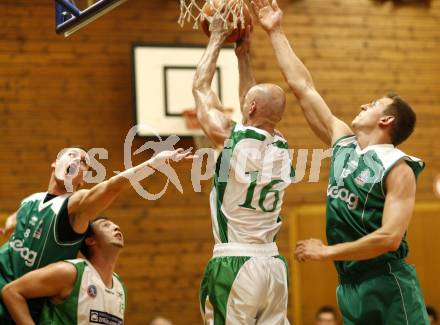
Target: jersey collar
{"points": [[373, 147], [44, 205]]}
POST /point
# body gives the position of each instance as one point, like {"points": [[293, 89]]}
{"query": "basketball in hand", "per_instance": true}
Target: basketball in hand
{"points": [[237, 33]]}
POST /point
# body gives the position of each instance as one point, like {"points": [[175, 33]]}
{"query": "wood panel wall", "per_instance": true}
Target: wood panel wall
{"points": [[55, 92]]}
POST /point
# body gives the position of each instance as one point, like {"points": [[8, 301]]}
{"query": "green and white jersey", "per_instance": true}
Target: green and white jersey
{"points": [[252, 172], [35, 243], [90, 301], [356, 196]]}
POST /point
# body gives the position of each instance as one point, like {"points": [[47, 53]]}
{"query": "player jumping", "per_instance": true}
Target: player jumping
{"points": [[370, 196], [246, 280]]}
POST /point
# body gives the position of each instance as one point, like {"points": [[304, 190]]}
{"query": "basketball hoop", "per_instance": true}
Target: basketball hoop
{"points": [[231, 11]]}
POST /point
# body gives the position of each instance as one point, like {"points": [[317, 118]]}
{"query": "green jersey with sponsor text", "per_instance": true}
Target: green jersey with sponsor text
{"points": [[35, 243], [356, 196]]}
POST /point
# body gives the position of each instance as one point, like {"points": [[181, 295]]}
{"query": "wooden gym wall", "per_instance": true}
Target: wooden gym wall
{"points": [[55, 92]]}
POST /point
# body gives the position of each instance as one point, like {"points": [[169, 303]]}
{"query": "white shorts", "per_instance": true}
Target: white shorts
{"points": [[245, 284]]}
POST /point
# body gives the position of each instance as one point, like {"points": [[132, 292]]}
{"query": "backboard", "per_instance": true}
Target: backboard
{"points": [[69, 18], [163, 77]]}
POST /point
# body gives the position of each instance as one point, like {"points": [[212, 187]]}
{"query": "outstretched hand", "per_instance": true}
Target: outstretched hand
{"points": [[220, 27], [164, 157], [269, 15]]}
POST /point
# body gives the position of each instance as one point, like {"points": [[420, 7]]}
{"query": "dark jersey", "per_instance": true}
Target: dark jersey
{"points": [[356, 196]]}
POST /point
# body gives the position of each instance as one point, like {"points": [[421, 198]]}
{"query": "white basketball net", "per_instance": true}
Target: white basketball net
{"points": [[192, 10]]}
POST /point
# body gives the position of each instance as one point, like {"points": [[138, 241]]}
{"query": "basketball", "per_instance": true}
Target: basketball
{"points": [[237, 33]]}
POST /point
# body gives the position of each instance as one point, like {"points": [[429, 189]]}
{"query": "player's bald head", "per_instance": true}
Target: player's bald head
{"points": [[265, 101]]}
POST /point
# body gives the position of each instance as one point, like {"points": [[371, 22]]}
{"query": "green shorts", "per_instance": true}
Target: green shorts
{"points": [[388, 295], [245, 290]]}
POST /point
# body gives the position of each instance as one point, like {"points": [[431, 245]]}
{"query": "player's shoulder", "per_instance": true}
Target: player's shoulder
{"points": [[76, 266], [63, 268], [401, 178], [78, 196], [63, 273], [279, 141], [390, 157], [401, 169], [388, 154]]}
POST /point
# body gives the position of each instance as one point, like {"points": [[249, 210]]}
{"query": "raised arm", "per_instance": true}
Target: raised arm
{"points": [[54, 281], [84, 205], [323, 123], [213, 121], [398, 210], [242, 50], [10, 224]]}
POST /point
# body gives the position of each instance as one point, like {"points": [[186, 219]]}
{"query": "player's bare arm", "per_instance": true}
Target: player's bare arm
{"points": [[243, 52], [55, 281], [398, 210], [213, 121], [10, 224], [84, 205], [319, 116]]}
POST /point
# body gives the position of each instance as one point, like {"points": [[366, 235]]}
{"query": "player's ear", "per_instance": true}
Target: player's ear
{"points": [[90, 241], [386, 120], [252, 108]]}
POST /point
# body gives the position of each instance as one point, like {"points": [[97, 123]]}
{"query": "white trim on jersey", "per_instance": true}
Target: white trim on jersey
{"points": [[55, 204], [41, 253], [345, 141], [389, 155], [387, 152], [34, 197], [241, 127], [213, 206]]}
